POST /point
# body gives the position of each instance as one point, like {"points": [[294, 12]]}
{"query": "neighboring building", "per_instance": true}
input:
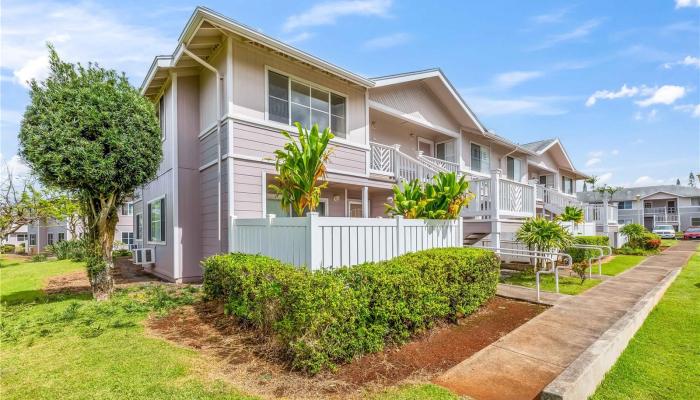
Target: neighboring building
{"points": [[44, 232], [124, 231], [654, 205], [18, 237], [228, 90]]}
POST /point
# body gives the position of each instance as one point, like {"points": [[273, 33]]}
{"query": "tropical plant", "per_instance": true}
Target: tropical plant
{"points": [[301, 168], [543, 235], [572, 214], [443, 198], [409, 200], [592, 180], [635, 234], [88, 132]]}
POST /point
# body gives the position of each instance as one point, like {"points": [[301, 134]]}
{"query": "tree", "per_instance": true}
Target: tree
{"points": [[301, 168], [691, 180], [678, 182], [585, 188], [67, 208], [592, 180], [21, 203], [88, 132], [543, 235]]}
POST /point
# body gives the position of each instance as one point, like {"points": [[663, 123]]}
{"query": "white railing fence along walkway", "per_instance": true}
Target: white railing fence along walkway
{"points": [[331, 242]]}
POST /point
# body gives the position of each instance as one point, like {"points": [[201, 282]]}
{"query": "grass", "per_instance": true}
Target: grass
{"points": [[567, 284], [663, 359], [71, 347], [416, 392], [619, 264], [669, 242]]}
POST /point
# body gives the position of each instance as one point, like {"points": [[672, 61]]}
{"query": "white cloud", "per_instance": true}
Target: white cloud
{"points": [[383, 42], [327, 13], [509, 79], [593, 161], [596, 154], [649, 116], [302, 36], [579, 32], [689, 61], [607, 94], [646, 180], [551, 17], [693, 109], [529, 105], [615, 152], [605, 178], [687, 3], [80, 32], [17, 168], [666, 94]]}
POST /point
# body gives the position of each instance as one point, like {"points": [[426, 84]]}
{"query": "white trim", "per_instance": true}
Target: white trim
{"points": [[263, 192], [431, 142], [207, 131], [490, 166], [207, 165], [136, 227], [350, 203], [522, 165], [272, 162], [326, 205], [148, 232], [177, 230], [228, 82], [410, 118], [310, 84]]}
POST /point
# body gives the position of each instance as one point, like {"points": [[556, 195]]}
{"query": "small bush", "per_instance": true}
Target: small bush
{"points": [[70, 250], [21, 249], [39, 257], [121, 253], [582, 255], [635, 234], [651, 241], [8, 248], [325, 317]]}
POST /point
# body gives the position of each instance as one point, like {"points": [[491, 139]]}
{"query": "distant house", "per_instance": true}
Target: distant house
{"points": [[16, 238], [674, 205]]}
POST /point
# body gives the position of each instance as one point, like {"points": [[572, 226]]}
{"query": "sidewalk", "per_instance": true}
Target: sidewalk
{"points": [[521, 364]]}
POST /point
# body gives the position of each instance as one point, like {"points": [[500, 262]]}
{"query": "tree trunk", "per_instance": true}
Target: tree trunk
{"points": [[103, 221]]}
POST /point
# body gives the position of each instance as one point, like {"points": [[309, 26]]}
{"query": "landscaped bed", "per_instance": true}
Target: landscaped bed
{"points": [[567, 284]]}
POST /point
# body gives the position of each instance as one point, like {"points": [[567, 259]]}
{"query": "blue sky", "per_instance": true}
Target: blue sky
{"points": [[617, 82]]}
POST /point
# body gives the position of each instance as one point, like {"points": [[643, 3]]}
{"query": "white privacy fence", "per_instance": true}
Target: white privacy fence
{"points": [[581, 229], [331, 242]]}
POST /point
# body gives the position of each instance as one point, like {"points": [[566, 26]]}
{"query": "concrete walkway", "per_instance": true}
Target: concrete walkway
{"points": [[521, 364], [529, 294]]}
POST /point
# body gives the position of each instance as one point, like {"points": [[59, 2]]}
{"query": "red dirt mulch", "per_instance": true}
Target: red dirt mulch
{"points": [[250, 361], [125, 273]]}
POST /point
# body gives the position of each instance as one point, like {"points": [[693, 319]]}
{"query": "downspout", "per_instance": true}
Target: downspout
{"points": [[219, 78]]}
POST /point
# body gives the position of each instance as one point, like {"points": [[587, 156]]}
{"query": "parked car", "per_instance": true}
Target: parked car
{"points": [[692, 232], [665, 231]]}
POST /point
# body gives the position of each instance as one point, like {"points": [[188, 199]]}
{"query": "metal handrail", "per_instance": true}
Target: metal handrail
{"points": [[541, 255], [599, 259]]}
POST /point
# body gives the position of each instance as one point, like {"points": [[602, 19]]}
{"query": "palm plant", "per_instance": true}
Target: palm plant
{"points": [[592, 181], [543, 235], [301, 168], [572, 214]]}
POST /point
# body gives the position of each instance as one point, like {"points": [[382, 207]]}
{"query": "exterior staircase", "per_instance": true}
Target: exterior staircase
{"points": [[390, 161], [473, 238]]}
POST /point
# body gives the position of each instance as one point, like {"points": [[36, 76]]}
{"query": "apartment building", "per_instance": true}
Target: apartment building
{"points": [[227, 91], [674, 205]]}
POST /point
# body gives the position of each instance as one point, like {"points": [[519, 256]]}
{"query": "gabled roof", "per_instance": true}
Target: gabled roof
{"points": [[201, 14], [433, 73], [541, 146], [645, 191]]}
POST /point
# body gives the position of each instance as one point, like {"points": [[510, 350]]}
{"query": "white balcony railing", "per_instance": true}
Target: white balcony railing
{"points": [[515, 198], [555, 200], [390, 161], [596, 213], [445, 165], [510, 199]]}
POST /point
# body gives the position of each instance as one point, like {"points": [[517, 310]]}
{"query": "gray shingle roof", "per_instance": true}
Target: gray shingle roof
{"points": [[538, 145], [631, 193]]}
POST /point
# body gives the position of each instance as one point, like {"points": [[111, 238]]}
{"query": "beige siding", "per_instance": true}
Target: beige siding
{"points": [[249, 87], [207, 95], [208, 192], [416, 100]]}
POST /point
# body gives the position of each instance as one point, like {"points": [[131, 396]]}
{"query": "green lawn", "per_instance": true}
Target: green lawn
{"points": [[71, 347], [567, 284], [663, 359], [619, 264], [669, 242]]}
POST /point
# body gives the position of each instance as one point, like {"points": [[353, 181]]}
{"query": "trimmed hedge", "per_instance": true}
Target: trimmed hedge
{"points": [[325, 317], [581, 255]]}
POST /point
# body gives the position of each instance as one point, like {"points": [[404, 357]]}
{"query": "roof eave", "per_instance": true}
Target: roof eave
{"points": [[158, 62]]}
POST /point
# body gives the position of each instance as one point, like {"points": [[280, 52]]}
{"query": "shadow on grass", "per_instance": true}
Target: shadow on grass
{"points": [[39, 296]]}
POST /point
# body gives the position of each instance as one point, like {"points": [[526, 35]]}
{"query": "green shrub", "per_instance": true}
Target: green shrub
{"points": [[325, 317], [8, 248], [39, 257], [121, 253], [582, 255], [635, 234], [21, 249], [651, 241], [70, 250]]}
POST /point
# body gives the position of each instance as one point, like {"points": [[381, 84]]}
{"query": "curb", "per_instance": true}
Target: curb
{"points": [[580, 379]]}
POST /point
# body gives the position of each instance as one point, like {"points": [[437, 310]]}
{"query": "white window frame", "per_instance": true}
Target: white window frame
{"points": [[326, 204], [515, 178], [32, 236], [427, 141], [61, 237], [138, 218], [573, 183], [353, 201], [129, 205], [148, 233], [133, 237], [455, 143], [49, 238], [485, 147], [289, 101]]}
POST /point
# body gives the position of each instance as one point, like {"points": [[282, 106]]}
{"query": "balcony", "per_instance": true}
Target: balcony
{"points": [[597, 213], [514, 199], [554, 200], [390, 161]]}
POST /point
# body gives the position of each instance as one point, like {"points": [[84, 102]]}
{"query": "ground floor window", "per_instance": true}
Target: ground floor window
{"points": [[695, 221], [32, 239], [156, 220], [128, 238], [50, 239], [61, 236], [624, 221], [274, 206], [21, 237], [139, 226], [355, 208]]}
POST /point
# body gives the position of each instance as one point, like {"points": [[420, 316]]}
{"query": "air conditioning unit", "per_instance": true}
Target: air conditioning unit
{"points": [[133, 247], [144, 256]]}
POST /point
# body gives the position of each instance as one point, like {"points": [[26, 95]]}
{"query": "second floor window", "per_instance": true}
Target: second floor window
{"points": [[139, 226], [50, 239], [128, 209], [567, 185], [480, 158], [514, 168], [290, 101], [156, 220], [624, 205]]}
